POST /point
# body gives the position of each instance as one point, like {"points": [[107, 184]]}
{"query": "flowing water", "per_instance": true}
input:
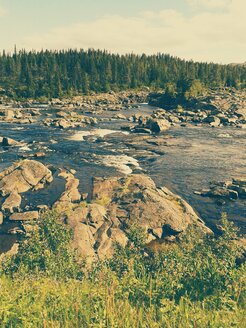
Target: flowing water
{"points": [[195, 157]]}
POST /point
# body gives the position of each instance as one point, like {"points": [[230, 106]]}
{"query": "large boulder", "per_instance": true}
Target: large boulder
{"points": [[24, 176], [157, 125], [118, 203]]}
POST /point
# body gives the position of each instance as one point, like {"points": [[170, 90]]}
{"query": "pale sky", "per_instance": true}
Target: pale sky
{"points": [[203, 30]]}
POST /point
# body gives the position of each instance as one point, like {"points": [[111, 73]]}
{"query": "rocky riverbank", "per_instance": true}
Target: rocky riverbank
{"points": [[105, 134], [221, 107], [218, 108], [98, 220]]}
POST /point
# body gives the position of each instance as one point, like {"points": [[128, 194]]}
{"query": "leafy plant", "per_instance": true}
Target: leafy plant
{"points": [[47, 251]]}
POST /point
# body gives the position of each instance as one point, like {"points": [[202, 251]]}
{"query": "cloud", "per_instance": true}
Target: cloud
{"points": [[206, 35], [211, 4], [2, 11]]}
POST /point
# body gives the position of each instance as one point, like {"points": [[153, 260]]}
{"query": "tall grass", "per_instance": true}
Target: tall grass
{"points": [[195, 283], [49, 303]]}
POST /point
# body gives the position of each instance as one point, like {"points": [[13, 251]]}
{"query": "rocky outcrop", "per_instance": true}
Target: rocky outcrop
{"points": [[154, 123], [71, 193], [23, 176], [157, 125], [219, 107], [118, 203], [17, 179], [226, 190]]}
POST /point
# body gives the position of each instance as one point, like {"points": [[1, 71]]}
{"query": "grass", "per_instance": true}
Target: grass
{"points": [[198, 283], [49, 303]]}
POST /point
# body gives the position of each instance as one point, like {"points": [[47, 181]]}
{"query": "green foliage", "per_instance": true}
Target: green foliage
{"points": [[195, 283], [67, 73], [38, 303], [202, 268], [171, 90], [195, 89], [46, 252]]}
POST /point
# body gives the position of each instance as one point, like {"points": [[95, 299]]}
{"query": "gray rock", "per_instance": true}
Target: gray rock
{"points": [[25, 216], [12, 203]]}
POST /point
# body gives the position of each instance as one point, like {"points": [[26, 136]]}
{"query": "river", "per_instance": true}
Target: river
{"points": [[192, 158]]}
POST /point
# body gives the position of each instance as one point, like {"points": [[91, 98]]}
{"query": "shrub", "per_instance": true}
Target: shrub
{"points": [[201, 267], [46, 251]]}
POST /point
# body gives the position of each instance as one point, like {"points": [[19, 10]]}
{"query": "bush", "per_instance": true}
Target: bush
{"points": [[46, 251], [195, 283], [202, 268]]}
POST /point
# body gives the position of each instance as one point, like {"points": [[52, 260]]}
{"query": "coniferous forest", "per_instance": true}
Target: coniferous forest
{"points": [[67, 73]]}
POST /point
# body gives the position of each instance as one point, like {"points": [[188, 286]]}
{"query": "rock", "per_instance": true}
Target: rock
{"points": [[241, 126], [219, 192], [15, 231], [42, 208], [118, 203], [61, 114], [158, 125], [8, 142], [241, 113], [71, 193], [9, 114], [120, 117], [12, 203], [230, 189], [25, 216], [63, 124], [39, 154], [239, 181], [139, 129], [72, 171], [212, 120], [84, 196], [23, 176], [233, 194]]}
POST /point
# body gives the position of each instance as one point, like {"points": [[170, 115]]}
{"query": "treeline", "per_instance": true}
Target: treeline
{"points": [[66, 73]]}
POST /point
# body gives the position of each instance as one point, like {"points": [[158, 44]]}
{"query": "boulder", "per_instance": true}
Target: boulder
{"points": [[118, 203], [212, 120], [12, 203], [8, 142], [23, 176], [157, 125], [25, 216], [63, 124], [71, 193]]}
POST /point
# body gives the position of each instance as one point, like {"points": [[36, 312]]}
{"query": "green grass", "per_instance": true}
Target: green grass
{"points": [[196, 283], [49, 303]]}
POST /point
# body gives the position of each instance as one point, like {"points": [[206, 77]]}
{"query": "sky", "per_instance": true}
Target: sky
{"points": [[202, 30]]}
